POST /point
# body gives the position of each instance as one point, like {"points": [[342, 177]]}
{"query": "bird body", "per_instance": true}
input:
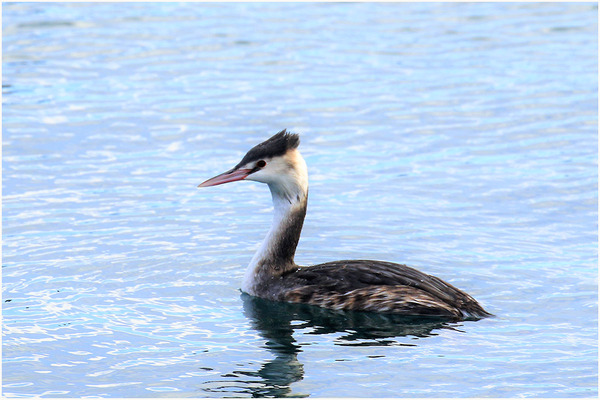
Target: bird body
{"points": [[360, 285]]}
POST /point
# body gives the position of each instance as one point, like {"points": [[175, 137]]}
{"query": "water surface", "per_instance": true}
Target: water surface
{"points": [[460, 139]]}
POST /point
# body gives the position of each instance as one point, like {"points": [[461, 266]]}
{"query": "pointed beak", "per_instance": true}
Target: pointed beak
{"points": [[229, 176]]}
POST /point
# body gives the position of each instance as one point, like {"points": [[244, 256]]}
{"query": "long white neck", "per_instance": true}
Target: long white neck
{"points": [[276, 253]]}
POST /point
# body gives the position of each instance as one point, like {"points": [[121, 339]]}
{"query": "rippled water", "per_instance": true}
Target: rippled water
{"points": [[460, 139]]}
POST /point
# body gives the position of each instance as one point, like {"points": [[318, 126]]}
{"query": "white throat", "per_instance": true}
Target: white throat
{"points": [[289, 192]]}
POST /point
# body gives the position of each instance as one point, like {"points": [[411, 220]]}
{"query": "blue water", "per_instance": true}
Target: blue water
{"points": [[460, 139]]}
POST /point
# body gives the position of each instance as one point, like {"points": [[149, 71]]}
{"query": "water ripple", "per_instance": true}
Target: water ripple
{"points": [[471, 127]]}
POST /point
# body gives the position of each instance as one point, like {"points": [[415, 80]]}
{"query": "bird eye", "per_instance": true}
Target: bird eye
{"points": [[261, 163]]}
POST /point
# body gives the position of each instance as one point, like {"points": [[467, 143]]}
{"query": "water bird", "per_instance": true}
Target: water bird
{"points": [[357, 285]]}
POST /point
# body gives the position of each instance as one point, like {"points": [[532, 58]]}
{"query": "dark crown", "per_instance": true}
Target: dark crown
{"points": [[277, 145]]}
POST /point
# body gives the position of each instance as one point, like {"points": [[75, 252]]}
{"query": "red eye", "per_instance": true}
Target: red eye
{"points": [[261, 163]]}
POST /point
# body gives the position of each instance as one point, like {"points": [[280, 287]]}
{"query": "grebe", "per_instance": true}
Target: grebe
{"points": [[359, 285]]}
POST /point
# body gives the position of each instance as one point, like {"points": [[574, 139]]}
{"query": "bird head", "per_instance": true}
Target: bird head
{"points": [[276, 162]]}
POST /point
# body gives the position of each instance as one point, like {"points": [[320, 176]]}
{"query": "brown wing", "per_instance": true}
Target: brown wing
{"points": [[382, 299], [378, 286]]}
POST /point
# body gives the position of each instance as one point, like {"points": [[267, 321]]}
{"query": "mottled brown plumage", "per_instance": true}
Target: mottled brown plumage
{"points": [[360, 285], [378, 286]]}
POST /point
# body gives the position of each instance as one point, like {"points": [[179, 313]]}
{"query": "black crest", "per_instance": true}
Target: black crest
{"points": [[275, 146]]}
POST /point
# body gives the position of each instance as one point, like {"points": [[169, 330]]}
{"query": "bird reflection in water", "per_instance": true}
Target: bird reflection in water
{"points": [[277, 322]]}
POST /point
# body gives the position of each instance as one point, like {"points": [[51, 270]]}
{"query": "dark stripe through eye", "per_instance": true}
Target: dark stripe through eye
{"points": [[257, 167]]}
